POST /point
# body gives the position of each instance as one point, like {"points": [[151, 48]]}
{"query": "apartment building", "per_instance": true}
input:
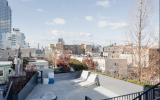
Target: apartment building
{"points": [[75, 49], [109, 65], [16, 39]]}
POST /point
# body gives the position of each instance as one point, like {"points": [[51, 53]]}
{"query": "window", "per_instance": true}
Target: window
{"points": [[71, 47], [1, 73], [116, 64], [65, 47], [9, 70]]}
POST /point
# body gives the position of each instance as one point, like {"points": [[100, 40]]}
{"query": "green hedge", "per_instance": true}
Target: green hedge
{"points": [[128, 80], [77, 65]]}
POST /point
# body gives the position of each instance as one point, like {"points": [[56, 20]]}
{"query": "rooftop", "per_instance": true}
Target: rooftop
{"points": [[66, 91], [5, 62]]}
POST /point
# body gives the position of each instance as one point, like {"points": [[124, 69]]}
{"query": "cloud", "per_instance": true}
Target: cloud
{"points": [[113, 26], [71, 34], [49, 23], [40, 10], [59, 21], [89, 18], [103, 3], [102, 17], [56, 21]]}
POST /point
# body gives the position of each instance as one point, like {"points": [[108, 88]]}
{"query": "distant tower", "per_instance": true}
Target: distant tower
{"points": [[59, 40], [38, 46]]}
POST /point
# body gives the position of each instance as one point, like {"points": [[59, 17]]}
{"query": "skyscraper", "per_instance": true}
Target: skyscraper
{"points": [[5, 22], [60, 40]]}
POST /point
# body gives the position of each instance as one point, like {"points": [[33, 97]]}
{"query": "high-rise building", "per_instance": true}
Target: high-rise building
{"points": [[95, 47], [60, 40], [16, 39], [5, 22]]}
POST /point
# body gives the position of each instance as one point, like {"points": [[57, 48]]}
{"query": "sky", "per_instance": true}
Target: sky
{"points": [[76, 21]]}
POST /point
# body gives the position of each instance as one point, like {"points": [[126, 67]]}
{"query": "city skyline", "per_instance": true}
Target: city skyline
{"points": [[76, 22]]}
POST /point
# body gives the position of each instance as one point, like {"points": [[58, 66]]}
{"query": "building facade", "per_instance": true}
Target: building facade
{"points": [[5, 69], [5, 22], [6, 54], [75, 49], [95, 47], [16, 39], [60, 40]]}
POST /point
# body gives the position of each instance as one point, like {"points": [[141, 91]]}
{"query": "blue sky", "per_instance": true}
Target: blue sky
{"points": [[76, 21]]}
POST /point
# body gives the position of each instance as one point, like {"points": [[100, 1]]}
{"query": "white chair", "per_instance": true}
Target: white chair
{"points": [[49, 96], [90, 81], [83, 77]]}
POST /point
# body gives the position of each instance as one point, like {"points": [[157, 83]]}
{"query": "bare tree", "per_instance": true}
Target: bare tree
{"points": [[140, 32], [50, 57]]}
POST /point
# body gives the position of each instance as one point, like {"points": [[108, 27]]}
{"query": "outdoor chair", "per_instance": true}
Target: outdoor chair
{"points": [[90, 81], [83, 77]]}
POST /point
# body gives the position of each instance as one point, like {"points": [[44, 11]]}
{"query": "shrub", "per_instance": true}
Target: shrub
{"points": [[77, 65]]}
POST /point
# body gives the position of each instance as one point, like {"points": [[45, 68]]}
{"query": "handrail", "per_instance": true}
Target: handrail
{"points": [[87, 98], [126, 95], [9, 92], [147, 91]]}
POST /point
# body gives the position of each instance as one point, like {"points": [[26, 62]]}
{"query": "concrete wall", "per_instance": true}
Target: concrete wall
{"points": [[118, 86], [27, 88]]}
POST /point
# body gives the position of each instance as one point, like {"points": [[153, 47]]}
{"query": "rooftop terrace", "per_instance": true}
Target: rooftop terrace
{"points": [[66, 91]]}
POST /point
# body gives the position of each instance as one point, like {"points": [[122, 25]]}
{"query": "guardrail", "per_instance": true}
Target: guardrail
{"points": [[9, 95], [87, 98], [148, 94]]}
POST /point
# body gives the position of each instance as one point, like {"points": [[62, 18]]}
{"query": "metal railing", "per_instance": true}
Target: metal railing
{"points": [[9, 95], [143, 95], [87, 98], [126, 97], [148, 94]]}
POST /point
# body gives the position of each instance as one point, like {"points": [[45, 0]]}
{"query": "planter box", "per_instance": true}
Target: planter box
{"points": [[27, 88]]}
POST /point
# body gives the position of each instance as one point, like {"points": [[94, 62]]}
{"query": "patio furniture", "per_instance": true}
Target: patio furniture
{"points": [[90, 81], [83, 77], [51, 77], [49, 96], [45, 80]]}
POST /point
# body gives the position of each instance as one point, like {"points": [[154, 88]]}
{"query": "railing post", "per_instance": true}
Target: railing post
{"points": [[85, 98], [139, 95], [153, 94], [147, 96]]}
